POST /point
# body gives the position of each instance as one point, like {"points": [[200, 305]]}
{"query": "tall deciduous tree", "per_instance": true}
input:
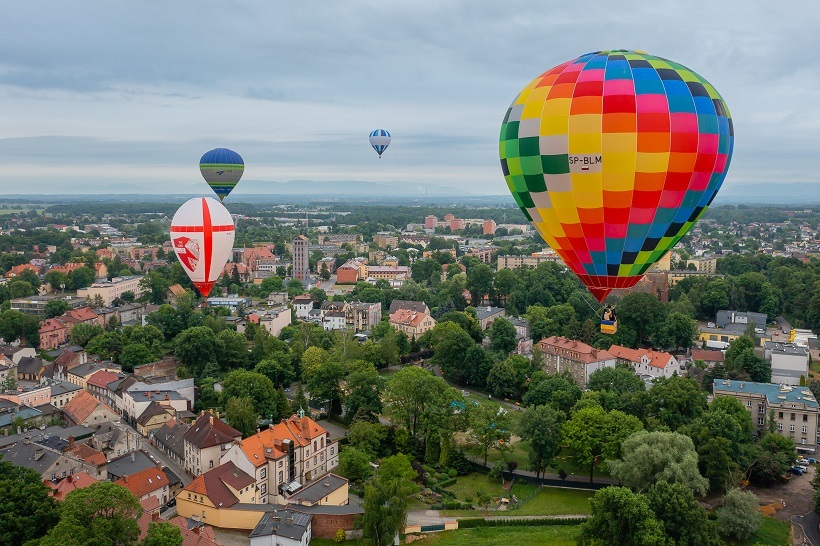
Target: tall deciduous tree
{"points": [[593, 435], [739, 517], [260, 389], [621, 518], [502, 336], [419, 401], [103, 513], [385, 500], [241, 415], [675, 401], [541, 427], [28, 511], [196, 347], [684, 520], [489, 427], [162, 534], [652, 457]]}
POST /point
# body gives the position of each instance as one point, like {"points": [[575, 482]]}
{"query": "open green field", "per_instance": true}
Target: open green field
{"points": [[771, 533], [468, 486], [553, 501], [551, 535]]}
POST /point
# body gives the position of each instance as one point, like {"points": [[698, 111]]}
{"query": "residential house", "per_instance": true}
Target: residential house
{"points": [[136, 402], [86, 410], [275, 320], [53, 333], [412, 323], [578, 359], [209, 496], [15, 354], [154, 416], [708, 357], [34, 369], [169, 439], [68, 360], [284, 457], [150, 482], [646, 361], [79, 375], [97, 384], [488, 314], [282, 528], [62, 392], [302, 304], [129, 464], [94, 458], [173, 293], [206, 441], [16, 270], [796, 411], [29, 395], [361, 316], [349, 273], [64, 486]]}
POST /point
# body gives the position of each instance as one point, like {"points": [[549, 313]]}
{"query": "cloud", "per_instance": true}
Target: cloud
{"points": [[140, 90]]}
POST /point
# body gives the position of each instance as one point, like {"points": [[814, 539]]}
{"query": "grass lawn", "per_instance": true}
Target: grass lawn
{"points": [[551, 535], [772, 532], [416, 504], [552, 501], [523, 490], [467, 486]]}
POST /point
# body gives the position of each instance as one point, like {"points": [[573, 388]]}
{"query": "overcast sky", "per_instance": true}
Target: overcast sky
{"points": [[114, 94]]}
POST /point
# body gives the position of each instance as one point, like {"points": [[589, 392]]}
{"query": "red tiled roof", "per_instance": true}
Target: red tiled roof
{"points": [[102, 378], [209, 430], [581, 352], [68, 484], [81, 406], [708, 356], [407, 317], [51, 325], [655, 359], [212, 484], [144, 482], [82, 314], [267, 444], [176, 289], [88, 454], [625, 353]]}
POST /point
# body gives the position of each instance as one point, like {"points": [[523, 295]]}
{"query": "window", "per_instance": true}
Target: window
{"points": [[212, 464], [779, 426], [748, 403], [760, 421], [780, 415], [264, 488], [314, 461], [314, 445], [791, 428], [280, 476], [280, 464], [331, 451], [803, 441], [805, 417], [322, 457], [265, 471], [805, 429], [760, 409], [792, 417]]}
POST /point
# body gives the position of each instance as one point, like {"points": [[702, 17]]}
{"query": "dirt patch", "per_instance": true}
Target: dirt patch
{"points": [[793, 498]]}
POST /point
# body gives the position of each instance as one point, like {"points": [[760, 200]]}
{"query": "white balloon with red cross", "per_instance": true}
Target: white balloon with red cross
{"points": [[202, 233]]}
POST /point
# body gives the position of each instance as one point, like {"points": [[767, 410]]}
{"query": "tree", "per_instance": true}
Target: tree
{"points": [[55, 308], [771, 458], [363, 391], [684, 520], [196, 347], [272, 284], [489, 427], [592, 435], [502, 336], [678, 330], [642, 313], [675, 401], [479, 282], [15, 325], [323, 377], [81, 277], [295, 288], [154, 285], [103, 513], [419, 401], [241, 415], [135, 354], [451, 349], [28, 510], [260, 389], [621, 518], [556, 390], [385, 500], [367, 437], [739, 517], [619, 380], [355, 464], [541, 426], [278, 368], [162, 534], [651, 457], [82, 333], [233, 349], [108, 345]]}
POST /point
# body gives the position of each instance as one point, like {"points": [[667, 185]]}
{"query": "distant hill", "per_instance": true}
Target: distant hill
{"points": [[336, 188]]}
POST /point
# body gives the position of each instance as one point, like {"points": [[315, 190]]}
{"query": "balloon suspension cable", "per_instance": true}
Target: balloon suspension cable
{"points": [[597, 314]]}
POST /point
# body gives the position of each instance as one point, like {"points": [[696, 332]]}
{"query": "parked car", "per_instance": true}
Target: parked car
{"points": [[803, 462], [798, 470]]}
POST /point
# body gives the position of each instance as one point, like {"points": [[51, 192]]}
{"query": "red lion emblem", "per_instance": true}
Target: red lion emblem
{"points": [[187, 250]]}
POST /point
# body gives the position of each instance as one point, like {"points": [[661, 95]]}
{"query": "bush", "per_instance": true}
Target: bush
{"points": [[562, 474], [447, 482], [739, 517], [340, 536], [452, 473]]}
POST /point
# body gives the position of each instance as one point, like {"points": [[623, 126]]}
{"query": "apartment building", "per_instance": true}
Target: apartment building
{"points": [[579, 359]]}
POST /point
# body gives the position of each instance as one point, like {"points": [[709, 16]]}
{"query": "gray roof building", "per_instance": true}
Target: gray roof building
{"points": [[283, 523], [129, 464]]}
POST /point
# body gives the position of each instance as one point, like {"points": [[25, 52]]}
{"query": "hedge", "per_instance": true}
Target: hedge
{"points": [[481, 522]]}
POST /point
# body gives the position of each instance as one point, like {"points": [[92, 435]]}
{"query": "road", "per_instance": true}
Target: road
{"points": [[145, 445]]}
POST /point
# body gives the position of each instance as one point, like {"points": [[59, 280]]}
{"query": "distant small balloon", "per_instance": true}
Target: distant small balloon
{"points": [[202, 234], [380, 140], [222, 168]]}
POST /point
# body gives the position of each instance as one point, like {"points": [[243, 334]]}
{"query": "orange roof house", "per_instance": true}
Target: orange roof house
{"points": [[411, 322], [647, 361], [18, 269], [148, 482], [86, 410]]}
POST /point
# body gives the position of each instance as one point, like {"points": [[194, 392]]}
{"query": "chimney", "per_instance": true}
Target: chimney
{"points": [[154, 516], [133, 456], [71, 442], [211, 419], [197, 529]]}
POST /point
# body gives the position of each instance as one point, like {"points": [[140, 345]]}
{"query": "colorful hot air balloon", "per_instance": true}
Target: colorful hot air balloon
{"points": [[613, 156], [202, 233], [380, 140], [221, 168]]}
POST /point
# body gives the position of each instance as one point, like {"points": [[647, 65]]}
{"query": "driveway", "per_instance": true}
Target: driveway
{"points": [[795, 496]]}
